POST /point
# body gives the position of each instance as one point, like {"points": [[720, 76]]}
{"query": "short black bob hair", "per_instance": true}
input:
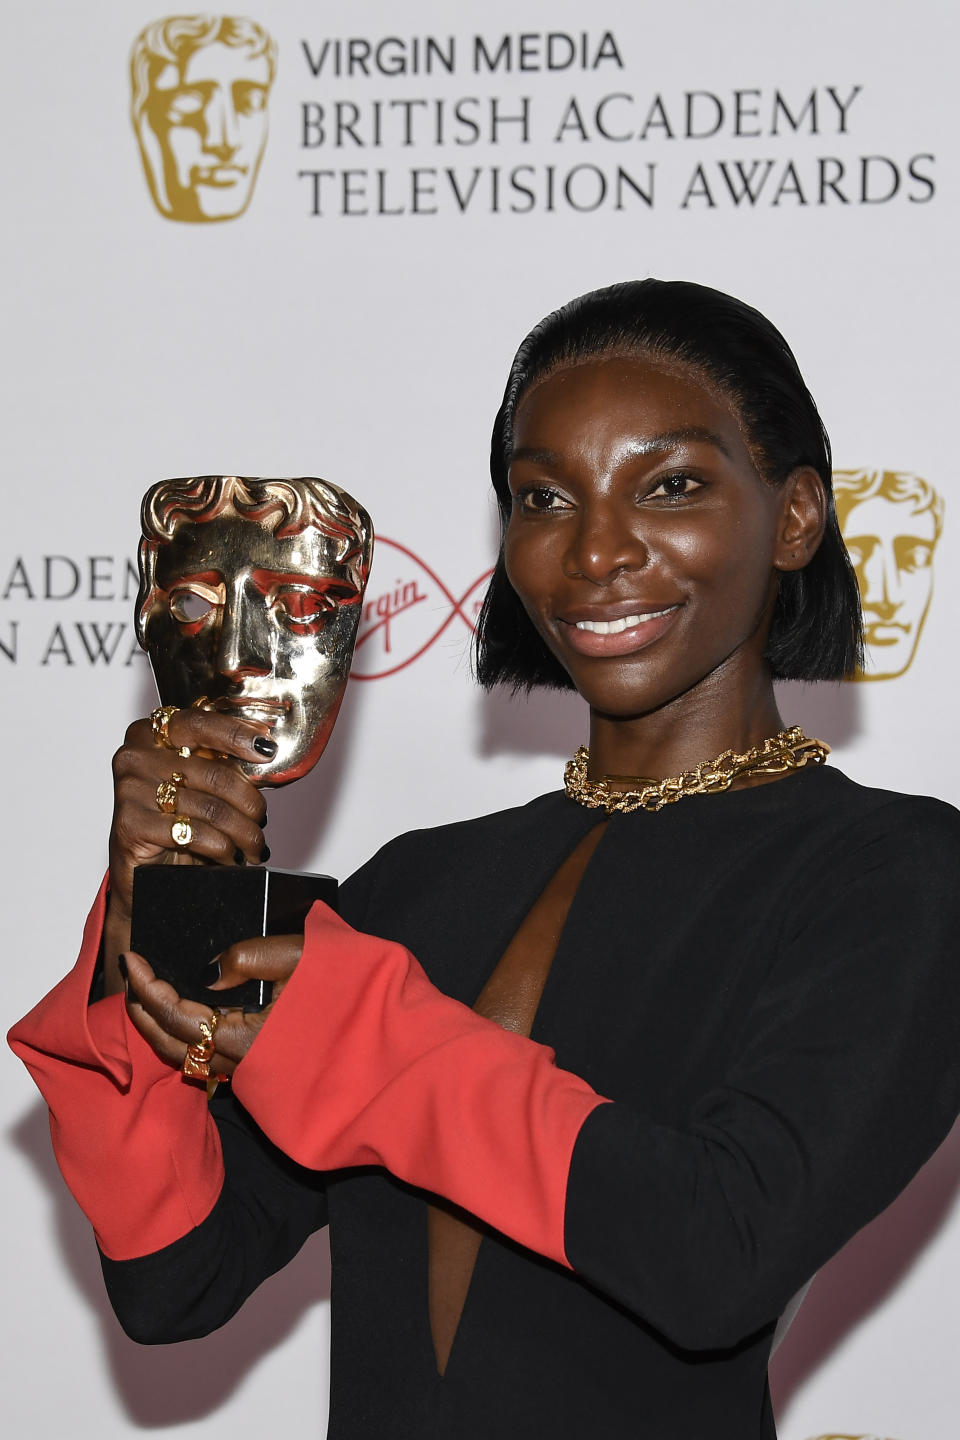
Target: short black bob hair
{"points": [[816, 631]]}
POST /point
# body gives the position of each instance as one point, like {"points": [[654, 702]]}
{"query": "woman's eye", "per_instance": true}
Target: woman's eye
{"points": [[540, 498], [674, 487]]}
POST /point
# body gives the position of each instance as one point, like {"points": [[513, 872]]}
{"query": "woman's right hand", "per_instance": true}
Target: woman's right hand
{"points": [[225, 808]]}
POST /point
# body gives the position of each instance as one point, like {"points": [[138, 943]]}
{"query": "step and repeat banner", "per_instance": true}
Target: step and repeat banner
{"points": [[306, 240]]}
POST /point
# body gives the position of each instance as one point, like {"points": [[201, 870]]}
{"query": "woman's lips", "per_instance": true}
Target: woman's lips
{"points": [[617, 634]]}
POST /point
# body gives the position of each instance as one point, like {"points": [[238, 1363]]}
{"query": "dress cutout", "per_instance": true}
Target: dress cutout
{"points": [[510, 996]]}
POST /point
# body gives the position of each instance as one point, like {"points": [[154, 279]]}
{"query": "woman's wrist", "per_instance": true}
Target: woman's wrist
{"points": [[116, 939]]}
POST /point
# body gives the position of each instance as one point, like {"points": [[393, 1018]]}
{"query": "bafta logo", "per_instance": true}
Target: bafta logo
{"points": [[199, 91], [891, 522]]}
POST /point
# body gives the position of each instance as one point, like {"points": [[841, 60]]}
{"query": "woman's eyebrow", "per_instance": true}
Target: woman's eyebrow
{"points": [[667, 440], [686, 435], [535, 455]]}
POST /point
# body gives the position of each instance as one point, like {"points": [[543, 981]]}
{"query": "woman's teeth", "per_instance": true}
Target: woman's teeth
{"points": [[613, 627]]}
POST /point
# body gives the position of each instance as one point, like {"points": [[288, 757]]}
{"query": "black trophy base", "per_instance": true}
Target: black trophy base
{"points": [[184, 916]]}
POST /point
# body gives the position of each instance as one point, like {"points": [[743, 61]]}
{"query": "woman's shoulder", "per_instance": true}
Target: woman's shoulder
{"points": [[825, 798], [441, 855], [838, 825], [476, 835], [848, 802]]}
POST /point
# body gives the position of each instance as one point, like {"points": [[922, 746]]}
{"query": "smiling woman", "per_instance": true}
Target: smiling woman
{"points": [[734, 368], [649, 1069], [657, 547], [664, 483]]}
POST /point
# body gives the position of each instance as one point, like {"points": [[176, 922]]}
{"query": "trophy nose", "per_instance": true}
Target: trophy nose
{"points": [[245, 647], [880, 583], [221, 127]]}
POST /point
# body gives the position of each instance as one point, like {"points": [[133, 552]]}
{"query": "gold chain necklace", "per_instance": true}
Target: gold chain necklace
{"points": [[789, 750]]}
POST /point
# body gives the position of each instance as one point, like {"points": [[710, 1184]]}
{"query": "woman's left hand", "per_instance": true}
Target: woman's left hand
{"points": [[170, 1024]]}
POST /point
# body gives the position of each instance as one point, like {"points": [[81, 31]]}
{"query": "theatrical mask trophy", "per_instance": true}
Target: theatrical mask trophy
{"points": [[250, 598]]}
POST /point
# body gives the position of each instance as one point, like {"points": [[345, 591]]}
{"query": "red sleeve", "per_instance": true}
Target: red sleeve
{"points": [[134, 1141], [364, 1062]]}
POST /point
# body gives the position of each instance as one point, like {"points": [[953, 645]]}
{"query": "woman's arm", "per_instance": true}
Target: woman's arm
{"points": [[847, 1080], [191, 1205], [266, 1210], [106, 1088], [389, 1071], [137, 1145], [848, 1077]]}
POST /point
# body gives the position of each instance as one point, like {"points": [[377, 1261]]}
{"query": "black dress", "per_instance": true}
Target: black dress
{"points": [[765, 983]]}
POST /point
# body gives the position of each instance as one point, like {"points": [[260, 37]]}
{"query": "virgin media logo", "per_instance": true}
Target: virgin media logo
{"points": [[408, 608]]}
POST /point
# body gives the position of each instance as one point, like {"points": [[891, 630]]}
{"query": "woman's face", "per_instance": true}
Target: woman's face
{"points": [[643, 539]]}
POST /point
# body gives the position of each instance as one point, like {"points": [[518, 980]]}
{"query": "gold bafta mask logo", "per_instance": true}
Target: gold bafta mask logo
{"points": [[891, 521], [199, 91]]}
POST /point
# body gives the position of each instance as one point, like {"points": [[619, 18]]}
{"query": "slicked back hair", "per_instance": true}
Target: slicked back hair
{"points": [[816, 630]]}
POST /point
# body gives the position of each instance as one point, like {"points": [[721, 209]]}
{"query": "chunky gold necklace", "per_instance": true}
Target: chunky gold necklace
{"points": [[789, 750]]}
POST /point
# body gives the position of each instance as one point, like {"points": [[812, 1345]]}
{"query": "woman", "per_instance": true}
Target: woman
{"points": [[746, 1071]]}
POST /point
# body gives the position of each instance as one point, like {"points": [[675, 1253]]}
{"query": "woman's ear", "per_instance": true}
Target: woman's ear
{"points": [[803, 518]]}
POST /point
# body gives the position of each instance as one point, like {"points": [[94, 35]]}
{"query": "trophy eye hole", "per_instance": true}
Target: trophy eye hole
{"points": [[913, 555], [189, 607], [309, 605], [185, 107], [303, 605], [249, 98]]}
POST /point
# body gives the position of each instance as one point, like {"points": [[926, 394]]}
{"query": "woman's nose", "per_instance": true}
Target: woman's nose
{"points": [[603, 543]]}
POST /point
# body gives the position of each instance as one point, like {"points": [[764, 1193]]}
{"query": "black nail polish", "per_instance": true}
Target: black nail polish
{"points": [[265, 854], [239, 858], [265, 747], [122, 967], [262, 823]]}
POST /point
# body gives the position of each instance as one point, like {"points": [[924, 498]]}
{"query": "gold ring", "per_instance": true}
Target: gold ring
{"points": [[181, 831], [196, 1062], [160, 719], [167, 793]]}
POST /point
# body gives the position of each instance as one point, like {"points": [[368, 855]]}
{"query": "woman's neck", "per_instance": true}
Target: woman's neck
{"points": [[680, 735]]}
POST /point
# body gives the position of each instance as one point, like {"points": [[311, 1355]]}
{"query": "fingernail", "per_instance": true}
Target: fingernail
{"points": [[262, 823], [265, 854], [239, 858], [122, 967], [266, 747]]}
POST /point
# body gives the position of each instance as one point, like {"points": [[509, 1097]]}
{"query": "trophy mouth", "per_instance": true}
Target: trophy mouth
{"points": [[261, 709]]}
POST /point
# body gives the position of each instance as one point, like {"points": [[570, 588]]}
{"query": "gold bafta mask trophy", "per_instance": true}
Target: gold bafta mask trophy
{"points": [[250, 599], [891, 521], [199, 91]]}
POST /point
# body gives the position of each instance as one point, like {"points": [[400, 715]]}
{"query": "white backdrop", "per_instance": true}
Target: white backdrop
{"points": [[371, 347]]}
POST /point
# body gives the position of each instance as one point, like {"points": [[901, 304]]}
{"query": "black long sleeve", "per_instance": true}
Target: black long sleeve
{"points": [[845, 1080], [266, 1211]]}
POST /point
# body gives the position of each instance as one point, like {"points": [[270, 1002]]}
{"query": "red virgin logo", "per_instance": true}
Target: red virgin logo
{"points": [[406, 609]]}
